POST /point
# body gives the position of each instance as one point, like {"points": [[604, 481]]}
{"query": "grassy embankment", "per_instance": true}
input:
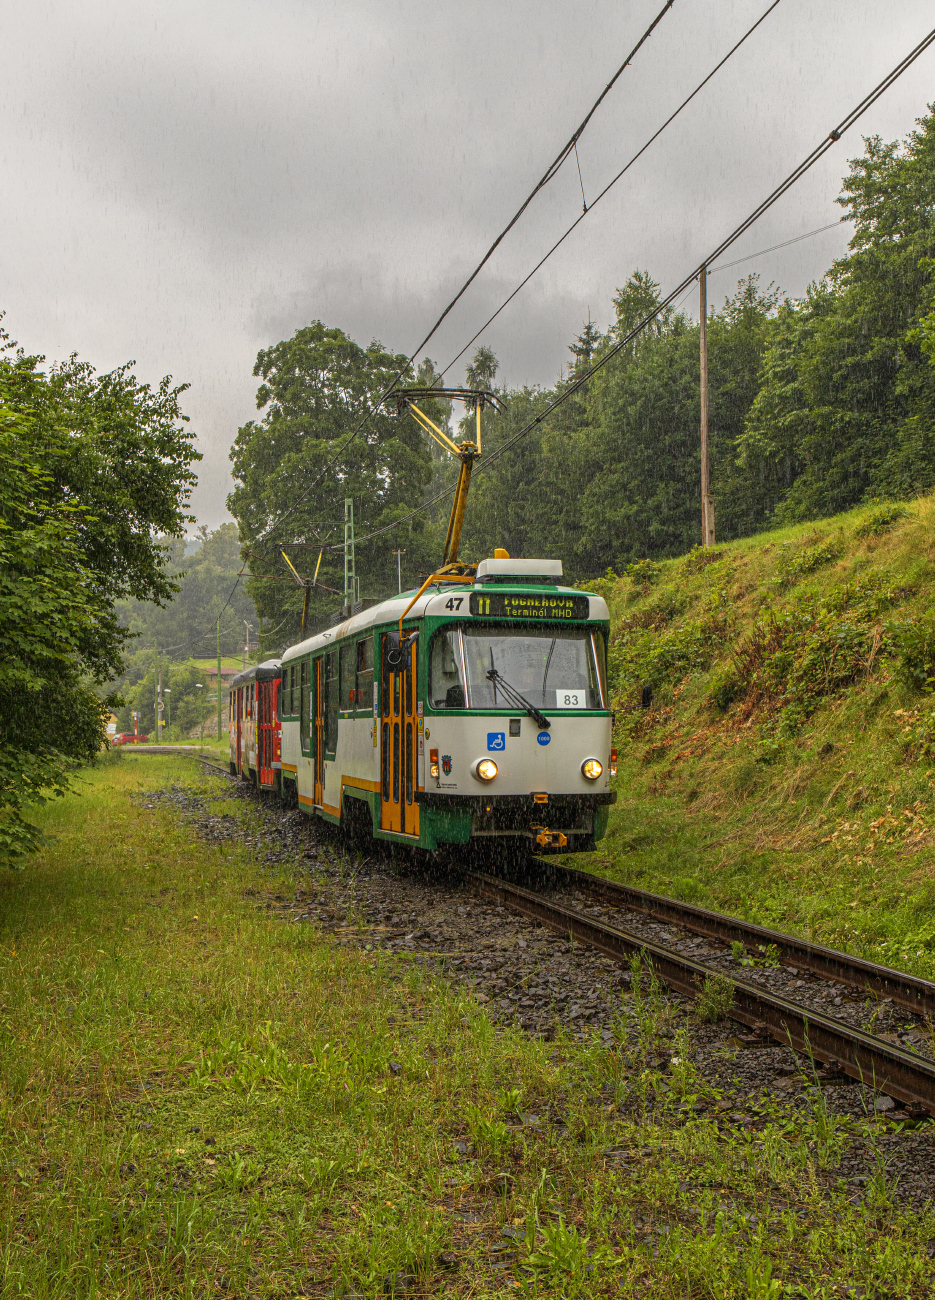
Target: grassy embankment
{"points": [[784, 768], [198, 1099]]}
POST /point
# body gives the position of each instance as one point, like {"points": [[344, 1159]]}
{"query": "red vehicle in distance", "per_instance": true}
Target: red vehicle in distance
{"points": [[128, 738]]}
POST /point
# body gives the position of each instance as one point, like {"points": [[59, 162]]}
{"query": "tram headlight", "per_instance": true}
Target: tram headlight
{"points": [[592, 768], [485, 770]]}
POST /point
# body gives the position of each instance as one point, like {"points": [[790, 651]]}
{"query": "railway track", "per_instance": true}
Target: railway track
{"points": [[914, 995], [880, 1066]]}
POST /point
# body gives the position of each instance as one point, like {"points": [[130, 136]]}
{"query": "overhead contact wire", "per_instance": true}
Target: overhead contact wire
{"points": [[808, 162], [589, 207], [550, 172]]}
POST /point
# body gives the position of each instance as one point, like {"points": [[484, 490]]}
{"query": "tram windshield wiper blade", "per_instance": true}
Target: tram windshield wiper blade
{"points": [[512, 696]]}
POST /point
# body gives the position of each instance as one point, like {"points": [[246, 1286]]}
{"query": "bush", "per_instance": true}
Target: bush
{"points": [[792, 660], [644, 656], [600, 586], [917, 731], [793, 568], [914, 644], [699, 557], [643, 574], [880, 520], [725, 686]]}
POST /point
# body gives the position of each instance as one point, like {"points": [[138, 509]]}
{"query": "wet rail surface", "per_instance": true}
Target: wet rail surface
{"points": [[872, 1061], [908, 991]]}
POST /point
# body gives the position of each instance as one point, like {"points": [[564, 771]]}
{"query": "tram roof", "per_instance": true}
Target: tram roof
{"points": [[389, 611], [264, 672]]}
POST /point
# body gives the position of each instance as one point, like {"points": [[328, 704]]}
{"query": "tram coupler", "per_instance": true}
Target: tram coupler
{"points": [[550, 839]]}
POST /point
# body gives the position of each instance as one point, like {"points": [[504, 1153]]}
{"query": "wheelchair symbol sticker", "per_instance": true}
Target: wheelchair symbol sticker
{"points": [[543, 738], [496, 740]]}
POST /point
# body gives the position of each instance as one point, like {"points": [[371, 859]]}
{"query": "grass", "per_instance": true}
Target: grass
{"points": [[198, 1099], [229, 663], [784, 769]]}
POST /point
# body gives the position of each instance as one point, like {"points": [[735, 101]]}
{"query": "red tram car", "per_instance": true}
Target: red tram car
{"points": [[255, 734]]}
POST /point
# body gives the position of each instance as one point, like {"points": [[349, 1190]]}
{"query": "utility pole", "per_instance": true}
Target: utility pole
{"points": [[399, 571], [199, 686], [707, 504], [219, 677], [350, 573], [159, 708]]}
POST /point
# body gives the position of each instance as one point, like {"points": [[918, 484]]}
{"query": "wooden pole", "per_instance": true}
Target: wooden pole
{"points": [[707, 505], [219, 677]]}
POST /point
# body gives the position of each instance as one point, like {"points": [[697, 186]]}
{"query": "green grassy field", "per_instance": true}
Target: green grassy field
{"points": [[200, 1099], [784, 770], [228, 663]]}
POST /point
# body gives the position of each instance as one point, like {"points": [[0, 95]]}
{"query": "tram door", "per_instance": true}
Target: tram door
{"points": [[265, 732], [237, 702], [318, 668], [399, 740]]}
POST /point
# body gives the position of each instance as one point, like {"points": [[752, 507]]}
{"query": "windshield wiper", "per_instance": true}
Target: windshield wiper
{"points": [[548, 662], [512, 696]]}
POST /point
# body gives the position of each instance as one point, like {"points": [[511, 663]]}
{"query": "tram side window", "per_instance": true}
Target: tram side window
{"points": [[304, 705], [348, 695], [332, 685], [365, 674], [290, 691], [446, 688]]}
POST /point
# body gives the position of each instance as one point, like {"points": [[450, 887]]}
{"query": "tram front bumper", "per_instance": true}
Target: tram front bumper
{"points": [[560, 823]]}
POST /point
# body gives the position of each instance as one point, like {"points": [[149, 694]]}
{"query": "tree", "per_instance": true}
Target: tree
{"points": [[189, 704], [482, 370], [89, 467], [844, 370], [584, 346], [293, 470], [207, 588]]}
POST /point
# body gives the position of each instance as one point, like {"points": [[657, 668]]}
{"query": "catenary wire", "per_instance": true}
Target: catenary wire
{"points": [[808, 162], [748, 257], [572, 144], [547, 176], [550, 172], [590, 207]]}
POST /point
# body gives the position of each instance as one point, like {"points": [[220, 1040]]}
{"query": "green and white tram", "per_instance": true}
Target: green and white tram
{"points": [[473, 710]]}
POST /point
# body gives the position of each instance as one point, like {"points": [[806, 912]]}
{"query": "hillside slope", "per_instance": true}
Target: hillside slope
{"points": [[776, 730]]}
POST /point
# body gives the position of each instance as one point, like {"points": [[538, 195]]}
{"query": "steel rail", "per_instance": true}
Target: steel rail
{"points": [[908, 991], [880, 1066], [206, 762]]}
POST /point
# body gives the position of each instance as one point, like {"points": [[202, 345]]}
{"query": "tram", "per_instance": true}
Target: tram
{"points": [[475, 709], [254, 729]]}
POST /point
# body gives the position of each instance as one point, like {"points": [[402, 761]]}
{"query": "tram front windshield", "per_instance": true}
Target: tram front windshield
{"points": [[552, 668]]}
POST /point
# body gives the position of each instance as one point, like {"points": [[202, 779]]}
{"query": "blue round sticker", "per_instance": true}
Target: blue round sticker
{"points": [[543, 738]]}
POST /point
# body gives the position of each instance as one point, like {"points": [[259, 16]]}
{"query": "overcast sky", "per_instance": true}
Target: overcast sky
{"points": [[188, 181]]}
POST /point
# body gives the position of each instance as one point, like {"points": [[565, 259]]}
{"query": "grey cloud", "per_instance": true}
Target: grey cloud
{"points": [[189, 180]]}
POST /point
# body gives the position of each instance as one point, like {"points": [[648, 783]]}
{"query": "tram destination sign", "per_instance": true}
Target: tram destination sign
{"points": [[529, 608]]}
